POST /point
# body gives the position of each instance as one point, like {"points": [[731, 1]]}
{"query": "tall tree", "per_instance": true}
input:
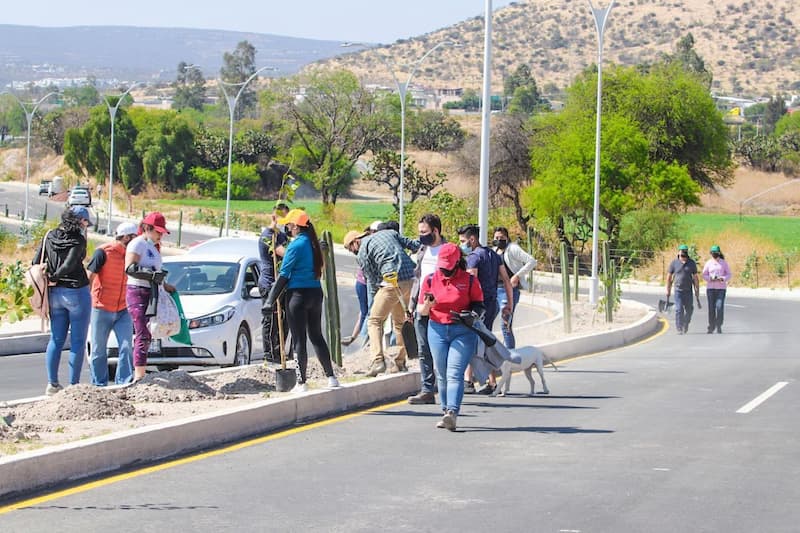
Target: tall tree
{"points": [[690, 61], [237, 66], [385, 169], [775, 109], [189, 85]]}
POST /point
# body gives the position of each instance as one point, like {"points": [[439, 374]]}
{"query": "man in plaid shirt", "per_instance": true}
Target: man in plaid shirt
{"points": [[390, 274]]}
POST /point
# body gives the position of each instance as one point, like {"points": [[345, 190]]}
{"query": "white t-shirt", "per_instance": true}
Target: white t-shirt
{"points": [[149, 257], [429, 259]]}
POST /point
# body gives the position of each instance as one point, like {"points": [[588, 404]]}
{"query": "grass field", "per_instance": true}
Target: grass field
{"points": [[783, 232]]}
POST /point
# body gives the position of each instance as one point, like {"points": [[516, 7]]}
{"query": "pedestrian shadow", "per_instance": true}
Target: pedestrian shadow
{"points": [[562, 430], [508, 405], [563, 370]]}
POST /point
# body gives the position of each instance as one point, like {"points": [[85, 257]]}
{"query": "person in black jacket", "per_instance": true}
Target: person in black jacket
{"points": [[70, 300]]}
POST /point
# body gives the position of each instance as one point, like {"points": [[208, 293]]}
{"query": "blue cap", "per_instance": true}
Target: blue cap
{"points": [[81, 212]]}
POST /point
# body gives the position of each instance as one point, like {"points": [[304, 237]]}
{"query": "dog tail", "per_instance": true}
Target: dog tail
{"points": [[549, 361]]}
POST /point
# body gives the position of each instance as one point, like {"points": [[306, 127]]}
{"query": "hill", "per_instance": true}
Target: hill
{"points": [[130, 53], [750, 47]]}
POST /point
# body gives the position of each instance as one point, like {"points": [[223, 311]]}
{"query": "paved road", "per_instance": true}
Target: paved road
{"points": [[645, 438]]}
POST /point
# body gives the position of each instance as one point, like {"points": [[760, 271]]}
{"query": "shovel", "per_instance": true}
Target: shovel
{"points": [[663, 306], [285, 378]]}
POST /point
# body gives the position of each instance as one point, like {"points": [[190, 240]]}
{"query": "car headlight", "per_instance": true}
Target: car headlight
{"points": [[213, 319]]}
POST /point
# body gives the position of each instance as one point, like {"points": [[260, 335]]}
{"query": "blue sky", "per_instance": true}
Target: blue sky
{"points": [[375, 21]]}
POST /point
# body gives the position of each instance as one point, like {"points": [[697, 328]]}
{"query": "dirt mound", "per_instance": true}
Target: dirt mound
{"points": [[247, 380], [174, 386], [79, 402]]}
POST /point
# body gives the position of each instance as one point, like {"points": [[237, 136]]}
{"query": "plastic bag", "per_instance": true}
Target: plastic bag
{"points": [[183, 335], [167, 320]]}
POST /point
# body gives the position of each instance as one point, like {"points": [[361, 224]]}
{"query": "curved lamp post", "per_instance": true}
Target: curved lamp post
{"points": [[600, 20], [232, 101], [486, 111], [112, 113], [29, 117], [402, 90]]}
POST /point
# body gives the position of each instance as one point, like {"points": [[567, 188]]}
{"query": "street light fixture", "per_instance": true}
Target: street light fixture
{"points": [[29, 117], [600, 19], [112, 113], [402, 90], [232, 101]]}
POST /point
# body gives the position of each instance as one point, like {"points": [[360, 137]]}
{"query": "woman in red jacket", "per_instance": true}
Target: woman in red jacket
{"points": [[451, 292]]}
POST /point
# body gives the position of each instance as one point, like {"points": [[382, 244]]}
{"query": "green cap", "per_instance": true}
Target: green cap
{"points": [[715, 249], [683, 248]]}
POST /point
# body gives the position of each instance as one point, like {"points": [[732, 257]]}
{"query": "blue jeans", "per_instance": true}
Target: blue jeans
{"points": [[103, 322], [716, 308], [69, 313], [426, 373], [502, 299], [684, 307], [361, 292], [452, 346]]}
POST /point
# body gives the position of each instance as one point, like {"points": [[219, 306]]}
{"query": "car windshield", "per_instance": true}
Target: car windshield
{"points": [[191, 277]]}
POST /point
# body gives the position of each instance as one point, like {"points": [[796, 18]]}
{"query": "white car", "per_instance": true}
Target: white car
{"points": [[218, 286], [79, 197]]}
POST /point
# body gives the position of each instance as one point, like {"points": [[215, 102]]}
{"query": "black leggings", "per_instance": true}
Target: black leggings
{"points": [[304, 314]]}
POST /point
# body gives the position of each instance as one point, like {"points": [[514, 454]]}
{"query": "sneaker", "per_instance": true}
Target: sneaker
{"points": [[469, 387], [422, 398], [300, 387], [686, 328], [719, 329], [333, 383], [710, 329], [440, 424], [487, 390], [377, 367], [53, 388], [449, 420]]}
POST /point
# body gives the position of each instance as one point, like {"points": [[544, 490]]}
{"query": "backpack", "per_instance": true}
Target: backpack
{"points": [[36, 278]]}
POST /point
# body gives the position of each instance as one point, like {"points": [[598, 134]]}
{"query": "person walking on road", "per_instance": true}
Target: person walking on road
{"points": [[143, 266], [300, 272], [451, 289], [272, 243], [682, 272], [430, 236], [517, 264], [109, 307], [716, 272], [64, 250]]}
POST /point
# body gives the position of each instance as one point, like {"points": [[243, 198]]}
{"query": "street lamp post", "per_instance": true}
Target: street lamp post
{"points": [[232, 101], [402, 90], [600, 19], [112, 113], [29, 117], [486, 110]]}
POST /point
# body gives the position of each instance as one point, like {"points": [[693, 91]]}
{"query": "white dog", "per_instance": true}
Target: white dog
{"points": [[530, 356]]}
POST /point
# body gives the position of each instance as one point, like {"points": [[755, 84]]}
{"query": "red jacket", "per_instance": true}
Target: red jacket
{"points": [[109, 285], [451, 294]]}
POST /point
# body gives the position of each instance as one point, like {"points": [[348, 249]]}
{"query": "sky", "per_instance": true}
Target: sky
{"points": [[372, 21]]}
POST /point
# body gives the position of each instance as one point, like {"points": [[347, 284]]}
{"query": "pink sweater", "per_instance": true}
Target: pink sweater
{"points": [[716, 272]]}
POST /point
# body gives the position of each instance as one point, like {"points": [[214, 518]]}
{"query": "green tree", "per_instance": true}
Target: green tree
{"points": [[789, 122], [330, 128], [436, 132], [775, 109], [237, 67], [52, 127], [85, 95], [165, 145], [190, 90], [214, 183], [689, 61], [385, 169]]}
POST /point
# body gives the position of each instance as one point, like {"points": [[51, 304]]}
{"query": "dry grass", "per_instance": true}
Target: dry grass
{"points": [[748, 183]]}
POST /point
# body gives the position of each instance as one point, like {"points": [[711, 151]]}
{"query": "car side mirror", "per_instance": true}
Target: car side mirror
{"points": [[254, 293]]}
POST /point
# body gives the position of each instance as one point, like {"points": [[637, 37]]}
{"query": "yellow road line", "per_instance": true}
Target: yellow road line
{"points": [[246, 444], [187, 460]]}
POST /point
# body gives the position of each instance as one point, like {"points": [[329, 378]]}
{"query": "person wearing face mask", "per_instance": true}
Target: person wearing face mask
{"points": [[485, 264], [517, 264], [271, 247], [299, 274], [143, 266], [682, 272], [450, 289], [716, 272], [110, 308], [64, 249], [431, 240]]}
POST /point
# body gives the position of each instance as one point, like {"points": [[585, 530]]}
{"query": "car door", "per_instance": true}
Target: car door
{"points": [[253, 307]]}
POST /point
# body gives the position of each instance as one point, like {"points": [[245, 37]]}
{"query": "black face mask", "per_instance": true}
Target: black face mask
{"points": [[715, 255], [427, 240], [447, 273], [500, 243]]}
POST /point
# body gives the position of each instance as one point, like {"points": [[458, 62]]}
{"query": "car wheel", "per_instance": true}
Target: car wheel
{"points": [[243, 348]]}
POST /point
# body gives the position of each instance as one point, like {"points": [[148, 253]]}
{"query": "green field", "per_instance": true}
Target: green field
{"points": [[783, 231]]}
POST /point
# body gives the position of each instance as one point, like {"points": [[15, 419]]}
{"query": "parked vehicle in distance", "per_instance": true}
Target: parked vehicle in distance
{"points": [[221, 302], [79, 196], [44, 187]]}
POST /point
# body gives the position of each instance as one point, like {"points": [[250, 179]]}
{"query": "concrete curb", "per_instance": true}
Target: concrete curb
{"points": [[29, 471]]}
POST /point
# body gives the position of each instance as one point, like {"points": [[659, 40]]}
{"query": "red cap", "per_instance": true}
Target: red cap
{"points": [[156, 220], [449, 254]]}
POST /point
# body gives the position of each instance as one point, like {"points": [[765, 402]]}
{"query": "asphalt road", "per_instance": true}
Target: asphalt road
{"points": [[645, 438]]}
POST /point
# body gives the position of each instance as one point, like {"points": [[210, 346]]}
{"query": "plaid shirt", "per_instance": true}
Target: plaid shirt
{"points": [[381, 253]]}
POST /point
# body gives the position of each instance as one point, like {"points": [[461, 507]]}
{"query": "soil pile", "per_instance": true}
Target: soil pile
{"points": [[247, 380], [79, 402], [175, 386]]}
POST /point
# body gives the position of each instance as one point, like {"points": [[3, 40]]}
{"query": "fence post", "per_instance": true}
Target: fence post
{"points": [[221, 225], [608, 276], [331, 291], [530, 251], [756, 267], [576, 265], [44, 215], [6, 210], [565, 289], [180, 226]]}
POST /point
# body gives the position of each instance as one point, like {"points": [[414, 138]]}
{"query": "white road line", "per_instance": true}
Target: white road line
{"points": [[736, 306], [761, 398]]}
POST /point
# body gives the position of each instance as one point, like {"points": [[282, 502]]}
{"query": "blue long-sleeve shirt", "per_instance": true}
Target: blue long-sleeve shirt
{"points": [[298, 264]]}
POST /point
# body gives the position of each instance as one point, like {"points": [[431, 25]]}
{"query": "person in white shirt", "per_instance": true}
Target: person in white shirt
{"points": [[518, 264]]}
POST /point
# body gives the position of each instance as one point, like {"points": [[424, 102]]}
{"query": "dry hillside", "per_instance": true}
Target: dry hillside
{"points": [[752, 48]]}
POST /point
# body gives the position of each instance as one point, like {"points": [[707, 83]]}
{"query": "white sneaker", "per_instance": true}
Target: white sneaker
{"points": [[300, 387], [52, 388], [333, 383]]}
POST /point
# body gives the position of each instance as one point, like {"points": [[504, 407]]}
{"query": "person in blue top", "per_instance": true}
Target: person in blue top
{"points": [[299, 275]]}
